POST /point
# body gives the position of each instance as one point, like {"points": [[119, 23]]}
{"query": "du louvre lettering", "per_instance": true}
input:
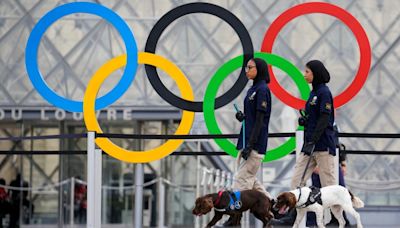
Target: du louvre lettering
{"points": [[47, 113]]}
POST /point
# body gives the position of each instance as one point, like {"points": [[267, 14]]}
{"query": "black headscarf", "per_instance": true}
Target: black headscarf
{"points": [[320, 73], [262, 71]]}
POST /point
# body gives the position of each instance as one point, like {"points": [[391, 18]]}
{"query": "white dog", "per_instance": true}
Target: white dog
{"points": [[336, 197]]}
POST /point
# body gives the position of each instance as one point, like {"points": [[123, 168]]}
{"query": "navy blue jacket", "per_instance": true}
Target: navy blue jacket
{"points": [[258, 98], [320, 101]]}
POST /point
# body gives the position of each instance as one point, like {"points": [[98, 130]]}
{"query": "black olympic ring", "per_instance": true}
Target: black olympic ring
{"points": [[174, 14]]}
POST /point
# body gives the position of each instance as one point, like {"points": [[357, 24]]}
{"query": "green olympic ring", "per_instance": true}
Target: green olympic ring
{"points": [[222, 73]]}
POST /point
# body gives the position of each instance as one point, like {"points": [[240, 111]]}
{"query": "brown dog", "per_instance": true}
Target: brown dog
{"points": [[258, 203]]}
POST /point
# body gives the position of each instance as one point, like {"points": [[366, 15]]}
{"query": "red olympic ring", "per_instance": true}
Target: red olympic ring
{"points": [[346, 18]]}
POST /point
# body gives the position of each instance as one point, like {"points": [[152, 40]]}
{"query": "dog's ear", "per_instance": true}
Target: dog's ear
{"points": [[273, 201], [280, 197], [291, 198], [209, 202], [198, 201], [197, 206]]}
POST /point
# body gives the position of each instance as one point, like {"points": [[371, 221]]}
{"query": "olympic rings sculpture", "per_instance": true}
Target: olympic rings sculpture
{"points": [[151, 60]]}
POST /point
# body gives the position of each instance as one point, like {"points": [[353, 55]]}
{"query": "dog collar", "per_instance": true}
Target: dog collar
{"points": [[218, 198], [234, 202]]}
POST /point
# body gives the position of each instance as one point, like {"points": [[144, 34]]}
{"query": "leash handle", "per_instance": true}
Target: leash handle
{"points": [[243, 124], [303, 112]]}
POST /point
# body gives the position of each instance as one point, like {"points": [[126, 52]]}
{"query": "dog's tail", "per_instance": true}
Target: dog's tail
{"points": [[357, 202]]}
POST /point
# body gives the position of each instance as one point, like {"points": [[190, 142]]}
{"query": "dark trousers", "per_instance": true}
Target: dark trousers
{"points": [[4, 210]]}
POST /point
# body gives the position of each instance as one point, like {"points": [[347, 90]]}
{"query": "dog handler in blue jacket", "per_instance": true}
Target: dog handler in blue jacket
{"points": [[318, 129], [319, 135], [257, 111]]}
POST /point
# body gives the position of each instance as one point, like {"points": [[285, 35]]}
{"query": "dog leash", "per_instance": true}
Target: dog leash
{"points": [[305, 170], [238, 163]]}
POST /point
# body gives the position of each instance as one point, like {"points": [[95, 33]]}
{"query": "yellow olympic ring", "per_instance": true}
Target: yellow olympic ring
{"points": [[106, 144]]}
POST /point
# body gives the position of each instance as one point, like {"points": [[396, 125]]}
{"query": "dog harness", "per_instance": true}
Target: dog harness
{"points": [[314, 197], [234, 201]]}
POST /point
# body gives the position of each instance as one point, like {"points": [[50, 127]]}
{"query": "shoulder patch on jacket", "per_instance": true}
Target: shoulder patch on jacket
{"points": [[264, 104], [328, 106]]}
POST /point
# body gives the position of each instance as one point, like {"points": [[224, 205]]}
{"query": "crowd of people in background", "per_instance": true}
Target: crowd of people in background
{"points": [[13, 201]]}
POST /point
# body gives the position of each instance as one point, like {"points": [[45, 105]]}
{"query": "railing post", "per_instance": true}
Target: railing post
{"points": [[229, 181], [223, 180], [198, 182], [93, 183], [97, 186], [217, 179], [217, 183], [205, 187], [139, 195], [90, 179], [72, 202], [161, 203]]}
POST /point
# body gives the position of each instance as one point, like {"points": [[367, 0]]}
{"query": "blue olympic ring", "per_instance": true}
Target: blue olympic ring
{"points": [[80, 7]]}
